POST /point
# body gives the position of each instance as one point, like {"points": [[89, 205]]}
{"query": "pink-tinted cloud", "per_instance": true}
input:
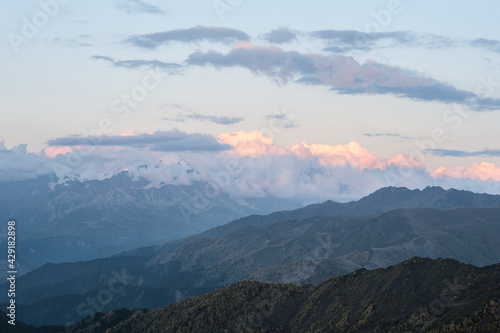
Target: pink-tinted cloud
{"points": [[53, 151], [483, 171], [128, 133], [252, 165], [252, 144], [350, 154], [255, 144], [243, 45]]}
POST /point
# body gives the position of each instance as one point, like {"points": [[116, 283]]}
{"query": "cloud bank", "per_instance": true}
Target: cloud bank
{"points": [[335, 70], [242, 163], [341, 74], [484, 171]]}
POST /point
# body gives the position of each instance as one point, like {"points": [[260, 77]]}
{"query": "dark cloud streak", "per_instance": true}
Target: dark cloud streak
{"points": [[462, 153], [191, 35], [173, 68], [394, 135], [488, 44], [174, 140], [138, 6]]}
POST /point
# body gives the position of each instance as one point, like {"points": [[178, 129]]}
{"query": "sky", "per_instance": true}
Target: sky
{"points": [[317, 100]]}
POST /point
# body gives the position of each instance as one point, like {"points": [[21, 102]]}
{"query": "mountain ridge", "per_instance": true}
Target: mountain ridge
{"points": [[418, 294], [299, 251]]}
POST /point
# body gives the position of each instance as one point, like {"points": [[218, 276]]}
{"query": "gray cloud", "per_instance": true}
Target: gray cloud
{"points": [[342, 74], [271, 61], [222, 120], [280, 36], [488, 44], [191, 35], [394, 135], [347, 40], [284, 120], [138, 6], [335, 49], [191, 114], [174, 140], [81, 40], [358, 37], [173, 68], [462, 153], [435, 92]]}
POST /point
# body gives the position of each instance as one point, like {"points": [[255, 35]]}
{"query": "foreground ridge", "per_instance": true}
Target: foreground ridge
{"points": [[416, 295]]}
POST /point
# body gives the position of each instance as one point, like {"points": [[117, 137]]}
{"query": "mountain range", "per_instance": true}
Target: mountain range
{"points": [[306, 245], [61, 222], [417, 295]]}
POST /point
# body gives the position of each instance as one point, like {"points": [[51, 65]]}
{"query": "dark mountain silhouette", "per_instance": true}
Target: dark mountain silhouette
{"points": [[414, 296]]}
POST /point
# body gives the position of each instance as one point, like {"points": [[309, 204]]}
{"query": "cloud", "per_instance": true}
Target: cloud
{"points": [[222, 120], [191, 114], [251, 165], [484, 171], [81, 40], [130, 133], [462, 153], [271, 61], [174, 140], [341, 41], [346, 40], [173, 68], [138, 6], [280, 36], [191, 35], [342, 74], [283, 120], [255, 144], [2, 144], [393, 135], [17, 164], [53, 151], [488, 44]]}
